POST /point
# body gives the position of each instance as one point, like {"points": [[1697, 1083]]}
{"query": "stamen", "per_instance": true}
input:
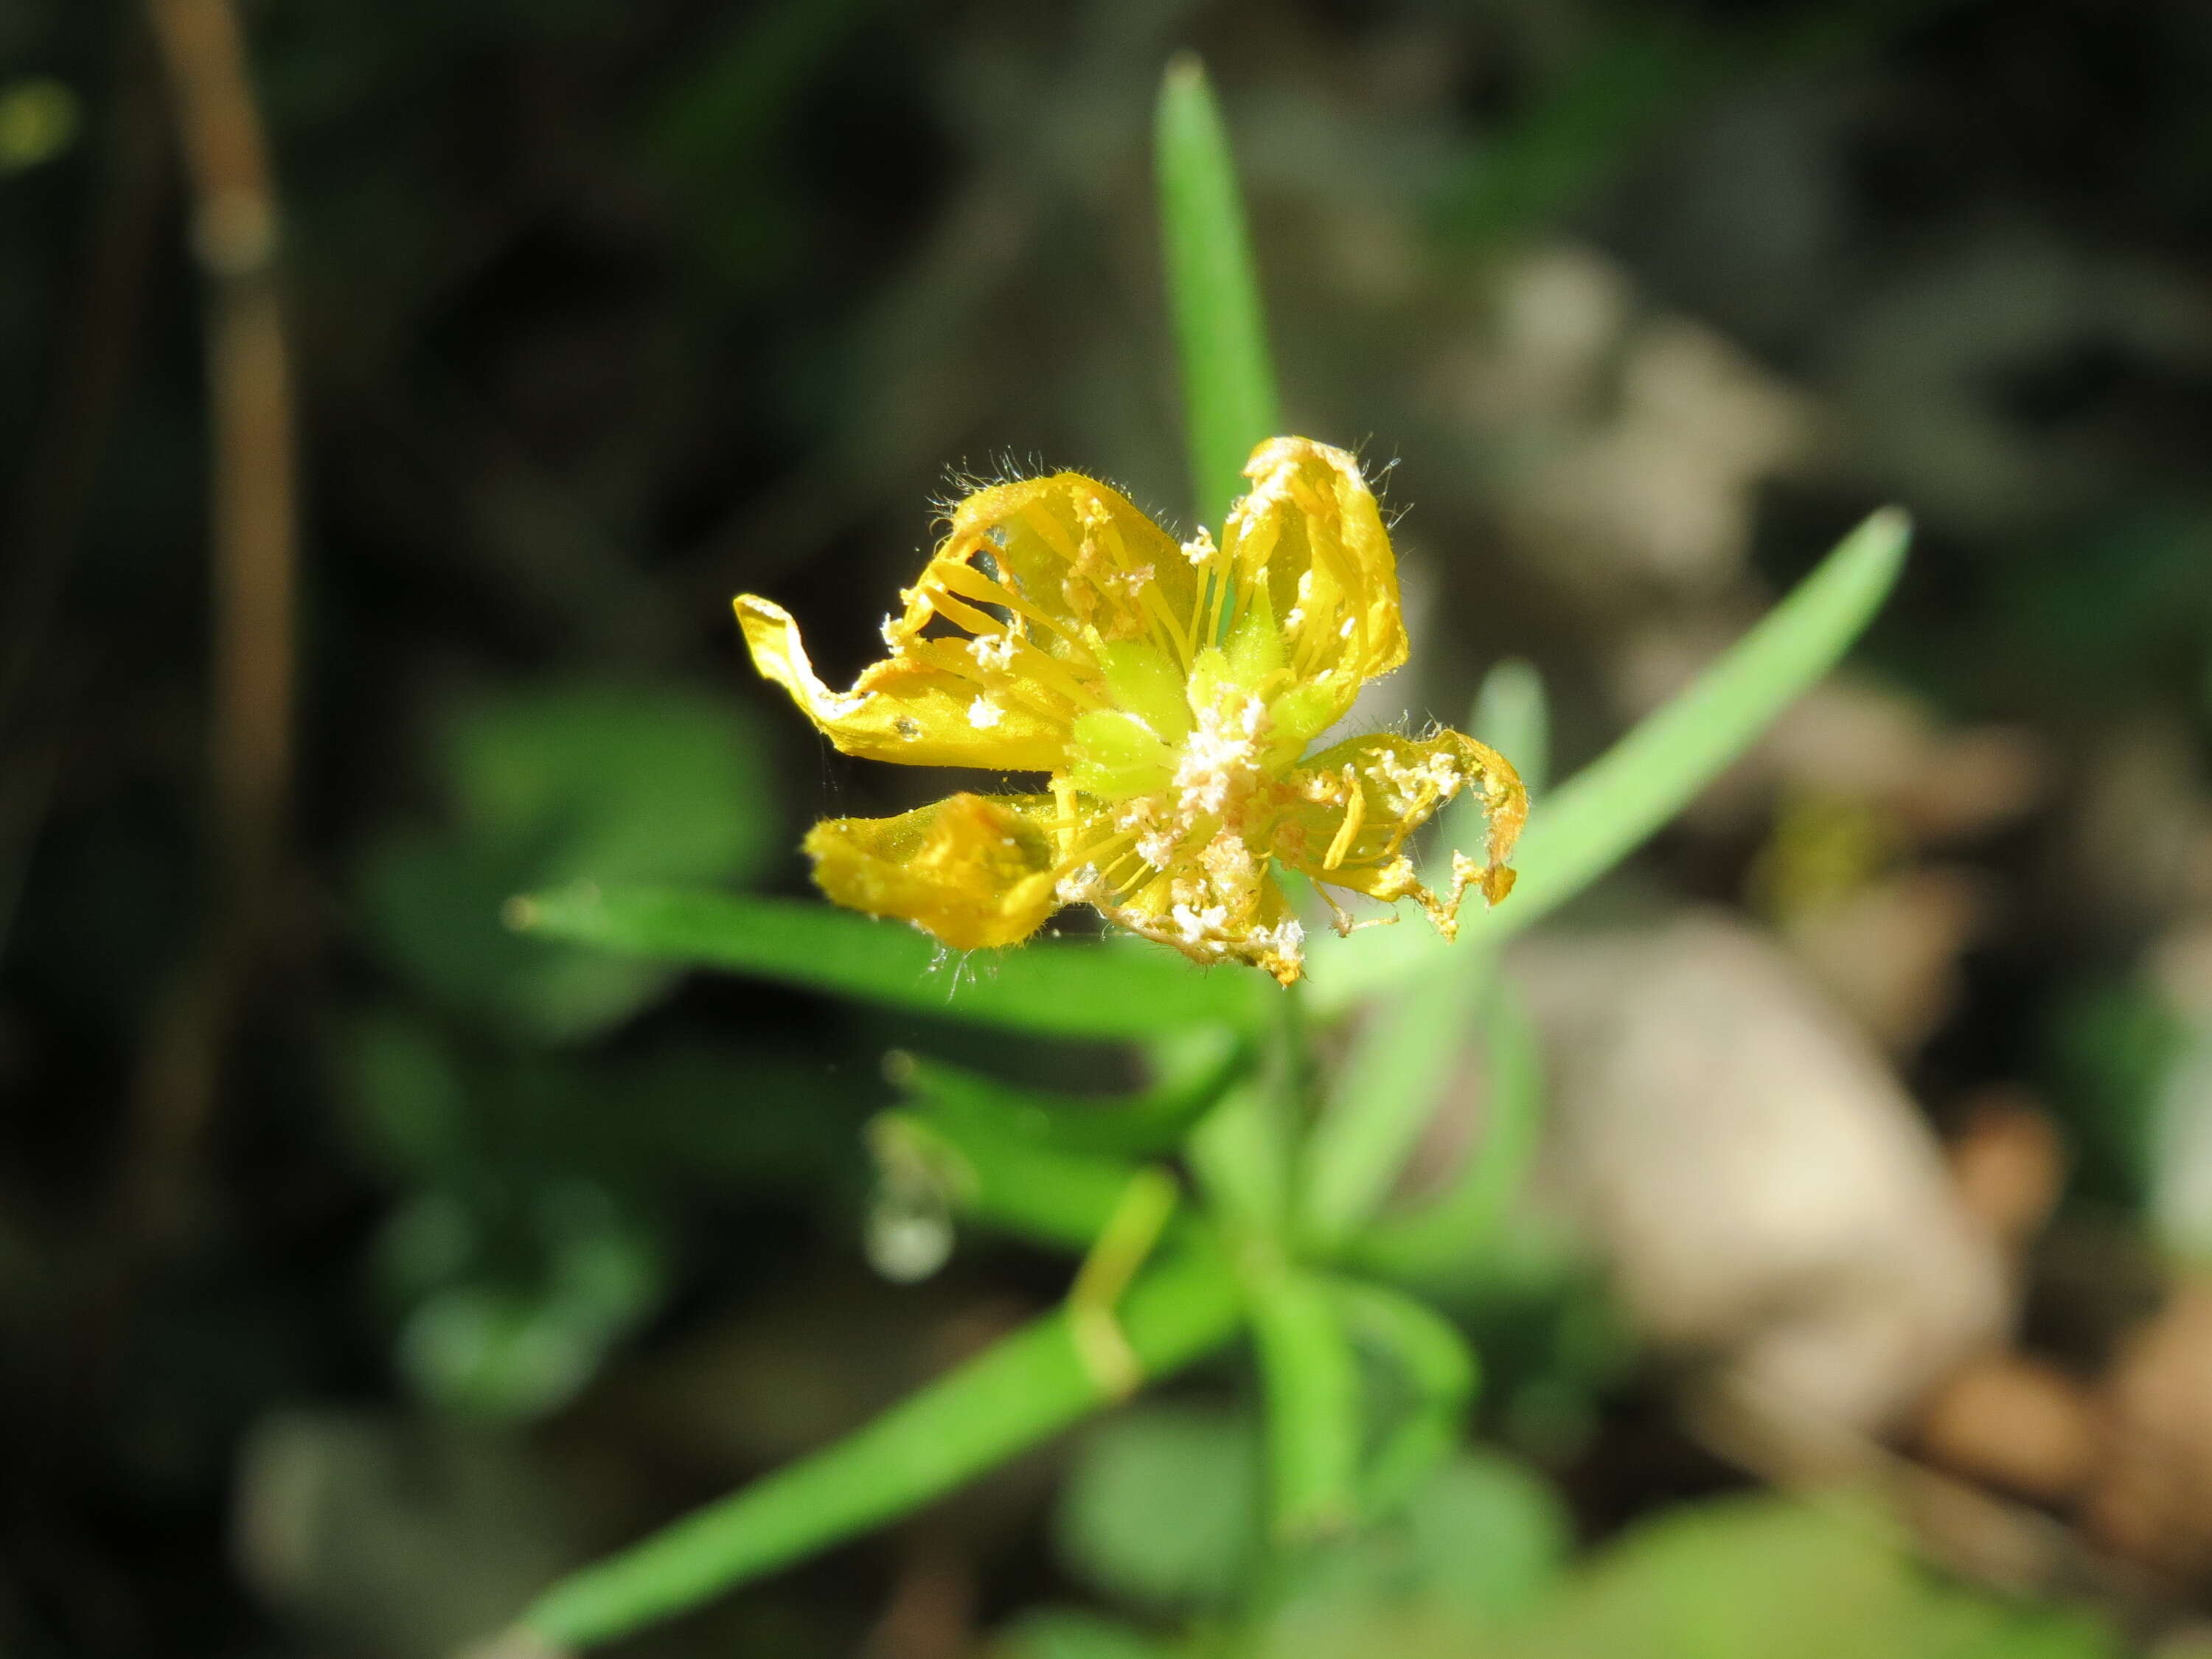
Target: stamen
{"points": [[1218, 617], [976, 586], [1339, 917], [1355, 814], [1050, 531], [1043, 664], [951, 657], [1114, 881], [1328, 551], [1089, 855], [964, 614], [1156, 602]]}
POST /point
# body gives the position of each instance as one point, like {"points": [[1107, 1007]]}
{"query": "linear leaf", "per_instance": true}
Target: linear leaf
{"points": [[1220, 329], [1605, 811], [1310, 1378], [1027, 1387], [1137, 1124], [1385, 1093], [1014, 1183], [1069, 987], [1441, 1367], [1455, 1225]]}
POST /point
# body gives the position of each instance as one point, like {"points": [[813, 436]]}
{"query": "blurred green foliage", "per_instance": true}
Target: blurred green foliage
{"points": [[1480, 1562], [535, 1233], [575, 783]]}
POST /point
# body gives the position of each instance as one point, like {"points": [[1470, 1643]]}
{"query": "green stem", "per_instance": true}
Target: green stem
{"points": [[1027, 1389]]}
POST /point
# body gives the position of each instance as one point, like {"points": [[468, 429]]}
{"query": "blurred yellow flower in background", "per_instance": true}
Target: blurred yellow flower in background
{"points": [[1170, 692]]}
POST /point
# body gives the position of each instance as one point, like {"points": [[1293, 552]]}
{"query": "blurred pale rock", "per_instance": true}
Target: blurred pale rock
{"points": [[1772, 1205], [2140, 830], [1888, 951], [2014, 1422], [2009, 1161], [2153, 1498], [1629, 441]]}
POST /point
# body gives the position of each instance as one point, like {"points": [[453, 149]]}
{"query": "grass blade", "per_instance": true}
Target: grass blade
{"points": [[1441, 1367], [1032, 1191], [1595, 819], [1385, 1094], [1309, 1374], [1455, 1225], [1067, 988], [1027, 1387], [1137, 1126], [1220, 330], [1513, 715], [1605, 811]]}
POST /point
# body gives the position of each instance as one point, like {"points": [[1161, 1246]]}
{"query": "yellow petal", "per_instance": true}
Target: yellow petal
{"points": [[1358, 801], [975, 870], [1065, 560], [904, 708], [1310, 529]]}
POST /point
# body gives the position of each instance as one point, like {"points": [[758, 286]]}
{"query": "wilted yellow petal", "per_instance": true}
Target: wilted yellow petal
{"points": [[902, 708], [1067, 561], [975, 871], [1310, 529], [1359, 801]]}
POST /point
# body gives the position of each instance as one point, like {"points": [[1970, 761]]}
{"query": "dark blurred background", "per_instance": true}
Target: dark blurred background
{"points": [[360, 1264]]}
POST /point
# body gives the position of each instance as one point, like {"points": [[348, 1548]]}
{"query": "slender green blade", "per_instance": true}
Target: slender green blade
{"points": [[1600, 816], [1385, 1094], [1068, 988], [1389, 1085], [1027, 1387], [1138, 1125], [1435, 1359], [1310, 1376], [1513, 715], [1008, 1181], [1220, 330], [1605, 811], [1455, 1225]]}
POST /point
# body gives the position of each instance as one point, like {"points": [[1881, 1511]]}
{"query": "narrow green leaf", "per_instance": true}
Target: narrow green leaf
{"points": [[1436, 1360], [1069, 987], [1605, 811], [1601, 815], [1513, 715], [1454, 1226], [1310, 1378], [1027, 1387], [1390, 1084], [1138, 1125], [1385, 1094], [1221, 341], [1038, 1193]]}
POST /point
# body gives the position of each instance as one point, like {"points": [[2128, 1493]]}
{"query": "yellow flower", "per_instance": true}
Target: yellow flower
{"points": [[1171, 693]]}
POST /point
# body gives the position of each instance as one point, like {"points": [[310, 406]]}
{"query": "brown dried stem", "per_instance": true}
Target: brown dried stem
{"points": [[234, 238]]}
